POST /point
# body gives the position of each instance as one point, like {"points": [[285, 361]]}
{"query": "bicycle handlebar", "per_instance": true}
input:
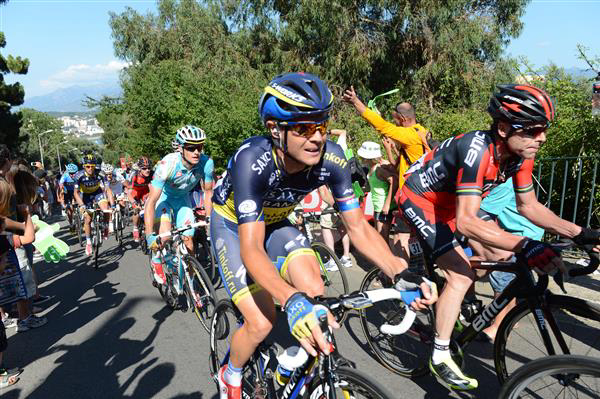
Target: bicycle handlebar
{"points": [[180, 230], [360, 300]]}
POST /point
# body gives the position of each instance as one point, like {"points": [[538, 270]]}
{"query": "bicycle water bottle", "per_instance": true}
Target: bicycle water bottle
{"points": [[291, 358]]}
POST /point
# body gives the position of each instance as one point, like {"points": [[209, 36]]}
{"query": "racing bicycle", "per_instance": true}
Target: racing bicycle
{"points": [[187, 285], [323, 376], [561, 376], [541, 324]]}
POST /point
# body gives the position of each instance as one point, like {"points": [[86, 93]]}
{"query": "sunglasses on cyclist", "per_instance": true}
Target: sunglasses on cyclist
{"points": [[144, 168], [89, 166], [529, 131], [192, 148], [305, 129]]}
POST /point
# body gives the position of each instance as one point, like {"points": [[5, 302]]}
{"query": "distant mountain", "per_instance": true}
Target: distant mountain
{"points": [[70, 99], [581, 73]]}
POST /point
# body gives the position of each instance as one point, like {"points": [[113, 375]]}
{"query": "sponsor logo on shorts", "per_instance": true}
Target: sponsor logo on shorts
{"points": [[418, 222], [247, 206]]}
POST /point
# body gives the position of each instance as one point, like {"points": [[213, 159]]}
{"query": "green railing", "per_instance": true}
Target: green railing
{"points": [[567, 185]]}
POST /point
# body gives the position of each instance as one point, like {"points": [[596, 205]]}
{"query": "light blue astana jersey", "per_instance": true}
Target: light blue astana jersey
{"points": [[502, 202], [176, 180]]}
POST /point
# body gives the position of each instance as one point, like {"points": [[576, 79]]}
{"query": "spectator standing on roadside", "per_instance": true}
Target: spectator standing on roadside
{"points": [[383, 183], [7, 376], [24, 186], [410, 139]]}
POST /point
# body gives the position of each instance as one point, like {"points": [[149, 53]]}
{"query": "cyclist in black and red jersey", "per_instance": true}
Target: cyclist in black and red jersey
{"points": [[139, 184], [443, 193]]}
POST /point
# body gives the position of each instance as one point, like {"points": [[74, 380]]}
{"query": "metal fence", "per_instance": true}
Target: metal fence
{"points": [[567, 185]]}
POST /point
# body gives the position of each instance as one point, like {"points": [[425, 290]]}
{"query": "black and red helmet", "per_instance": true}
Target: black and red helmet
{"points": [[144, 162], [522, 104]]}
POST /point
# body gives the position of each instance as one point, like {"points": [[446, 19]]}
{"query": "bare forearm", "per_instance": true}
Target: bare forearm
{"points": [[543, 217], [488, 233], [260, 267], [149, 215], [370, 243], [208, 201]]}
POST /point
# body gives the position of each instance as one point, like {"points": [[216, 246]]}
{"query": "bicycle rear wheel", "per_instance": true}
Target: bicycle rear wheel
{"points": [[201, 294], [348, 383], [563, 376], [519, 340], [406, 354]]}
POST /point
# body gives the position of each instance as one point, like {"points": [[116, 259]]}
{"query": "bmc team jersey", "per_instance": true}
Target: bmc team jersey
{"points": [[67, 182], [467, 164], [176, 180], [256, 188], [140, 185]]}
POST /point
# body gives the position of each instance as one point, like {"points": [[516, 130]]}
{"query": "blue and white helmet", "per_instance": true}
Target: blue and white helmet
{"points": [[190, 134], [107, 168], [72, 168]]}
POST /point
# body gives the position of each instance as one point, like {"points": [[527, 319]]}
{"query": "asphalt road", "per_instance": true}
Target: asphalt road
{"points": [[110, 335]]}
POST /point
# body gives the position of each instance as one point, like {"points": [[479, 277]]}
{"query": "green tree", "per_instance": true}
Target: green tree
{"points": [[41, 128], [11, 95]]}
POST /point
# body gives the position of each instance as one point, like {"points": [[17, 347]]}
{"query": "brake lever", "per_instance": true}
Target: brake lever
{"points": [[559, 280]]}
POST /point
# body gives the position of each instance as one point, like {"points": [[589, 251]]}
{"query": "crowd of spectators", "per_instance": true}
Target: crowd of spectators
{"points": [[23, 193]]}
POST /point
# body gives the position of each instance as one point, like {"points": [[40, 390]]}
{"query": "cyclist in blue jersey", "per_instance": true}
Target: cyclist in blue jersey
{"points": [[175, 176], [66, 186], [261, 255], [90, 188]]}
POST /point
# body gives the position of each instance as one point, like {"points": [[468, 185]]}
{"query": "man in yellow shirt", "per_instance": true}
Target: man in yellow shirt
{"points": [[409, 136]]}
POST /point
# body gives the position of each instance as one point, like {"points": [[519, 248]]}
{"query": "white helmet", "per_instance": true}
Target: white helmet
{"points": [[190, 135], [107, 168]]}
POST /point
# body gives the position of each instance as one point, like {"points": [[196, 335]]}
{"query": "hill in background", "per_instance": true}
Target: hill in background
{"points": [[70, 99]]}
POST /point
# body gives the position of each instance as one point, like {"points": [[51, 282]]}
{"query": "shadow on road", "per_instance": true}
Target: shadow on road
{"points": [[80, 294]]}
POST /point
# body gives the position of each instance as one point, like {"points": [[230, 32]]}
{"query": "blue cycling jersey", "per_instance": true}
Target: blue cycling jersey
{"points": [[67, 182], [176, 180], [89, 184], [265, 192]]}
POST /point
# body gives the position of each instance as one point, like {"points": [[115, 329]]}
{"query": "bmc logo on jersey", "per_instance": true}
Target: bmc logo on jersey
{"points": [[475, 147]]}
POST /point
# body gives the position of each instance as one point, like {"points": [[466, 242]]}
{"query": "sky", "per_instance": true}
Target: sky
{"points": [[68, 42]]}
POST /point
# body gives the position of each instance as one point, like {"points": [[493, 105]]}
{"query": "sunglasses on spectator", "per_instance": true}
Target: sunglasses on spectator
{"points": [[529, 131], [192, 148], [306, 129]]}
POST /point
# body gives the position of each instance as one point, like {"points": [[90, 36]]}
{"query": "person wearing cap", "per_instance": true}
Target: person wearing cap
{"points": [[383, 183]]}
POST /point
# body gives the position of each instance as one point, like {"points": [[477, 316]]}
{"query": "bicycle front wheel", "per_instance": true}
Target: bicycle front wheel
{"points": [[348, 383], [97, 242], [201, 294], [226, 320], [563, 376], [78, 227], [405, 354], [519, 340]]}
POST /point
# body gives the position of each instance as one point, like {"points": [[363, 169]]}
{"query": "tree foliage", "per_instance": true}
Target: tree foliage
{"points": [[206, 63], [11, 95]]}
